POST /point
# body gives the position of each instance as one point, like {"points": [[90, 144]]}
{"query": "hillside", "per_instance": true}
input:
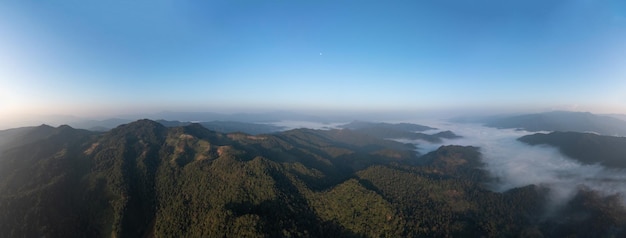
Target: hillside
{"points": [[143, 179], [399, 131], [584, 147], [355, 125], [563, 121], [229, 126], [25, 135]]}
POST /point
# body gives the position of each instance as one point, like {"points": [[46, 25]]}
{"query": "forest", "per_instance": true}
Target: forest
{"points": [[143, 179]]}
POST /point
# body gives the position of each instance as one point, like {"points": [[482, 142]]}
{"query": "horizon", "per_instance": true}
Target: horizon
{"points": [[102, 60], [278, 116]]}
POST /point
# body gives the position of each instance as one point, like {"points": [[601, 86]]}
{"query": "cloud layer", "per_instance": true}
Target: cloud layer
{"points": [[513, 163], [517, 164]]}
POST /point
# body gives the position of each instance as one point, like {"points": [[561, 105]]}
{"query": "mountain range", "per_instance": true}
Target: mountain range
{"points": [[143, 179], [399, 131], [562, 121], [587, 148]]}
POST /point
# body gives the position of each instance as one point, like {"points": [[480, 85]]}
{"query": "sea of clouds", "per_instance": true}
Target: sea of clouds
{"points": [[513, 163], [516, 164]]}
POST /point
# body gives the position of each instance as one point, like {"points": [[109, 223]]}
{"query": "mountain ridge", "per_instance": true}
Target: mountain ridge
{"points": [[143, 179], [562, 121], [587, 148]]}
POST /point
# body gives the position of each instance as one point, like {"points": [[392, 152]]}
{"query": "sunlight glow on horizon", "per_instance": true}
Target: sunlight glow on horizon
{"points": [[76, 59]]}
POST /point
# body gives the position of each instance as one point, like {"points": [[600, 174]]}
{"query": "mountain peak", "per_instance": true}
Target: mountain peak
{"points": [[141, 128], [44, 126], [64, 127], [144, 123], [199, 131]]}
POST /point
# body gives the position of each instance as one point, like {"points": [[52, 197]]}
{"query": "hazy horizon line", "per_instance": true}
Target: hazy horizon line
{"points": [[26, 120]]}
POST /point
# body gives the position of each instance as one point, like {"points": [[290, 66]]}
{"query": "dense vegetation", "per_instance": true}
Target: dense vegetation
{"points": [[585, 147], [146, 180], [399, 131], [229, 126]]}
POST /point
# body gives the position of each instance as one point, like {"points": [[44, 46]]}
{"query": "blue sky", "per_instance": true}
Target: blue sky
{"points": [[98, 58]]}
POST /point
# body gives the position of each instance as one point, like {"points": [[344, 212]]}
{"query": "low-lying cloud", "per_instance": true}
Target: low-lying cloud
{"points": [[516, 164], [513, 163], [289, 125]]}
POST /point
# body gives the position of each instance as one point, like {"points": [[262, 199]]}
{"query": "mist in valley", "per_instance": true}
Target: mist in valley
{"points": [[513, 163]]}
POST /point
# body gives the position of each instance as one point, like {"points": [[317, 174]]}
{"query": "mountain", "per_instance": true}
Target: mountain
{"points": [[25, 135], [563, 121], [585, 147], [143, 179], [355, 125], [219, 126], [233, 126], [229, 126], [240, 117], [398, 131], [224, 121], [98, 125], [9, 136]]}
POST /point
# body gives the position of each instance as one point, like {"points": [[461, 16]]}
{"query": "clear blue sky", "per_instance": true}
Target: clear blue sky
{"points": [[106, 57]]}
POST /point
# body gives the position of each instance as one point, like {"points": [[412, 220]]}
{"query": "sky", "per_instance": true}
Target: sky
{"points": [[102, 58]]}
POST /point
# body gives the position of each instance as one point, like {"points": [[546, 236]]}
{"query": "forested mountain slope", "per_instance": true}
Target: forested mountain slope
{"points": [[146, 180], [585, 147]]}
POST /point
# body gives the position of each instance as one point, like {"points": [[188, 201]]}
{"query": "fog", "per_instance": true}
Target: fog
{"points": [[511, 162], [515, 164], [289, 125]]}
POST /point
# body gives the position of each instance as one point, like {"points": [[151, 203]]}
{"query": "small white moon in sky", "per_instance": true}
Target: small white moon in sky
{"points": [[320, 53]]}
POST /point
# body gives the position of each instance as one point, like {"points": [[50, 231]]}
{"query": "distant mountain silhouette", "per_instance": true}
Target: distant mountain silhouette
{"points": [[394, 126], [219, 126], [11, 136], [398, 131], [25, 135], [240, 117], [563, 121], [221, 120], [585, 147], [98, 125], [229, 126]]}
